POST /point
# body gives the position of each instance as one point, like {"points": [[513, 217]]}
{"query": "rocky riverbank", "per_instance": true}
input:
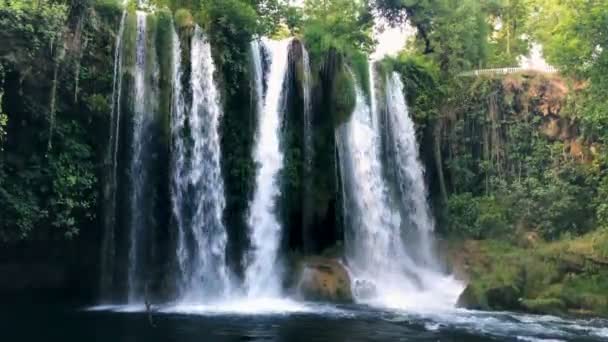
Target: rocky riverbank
{"points": [[567, 277]]}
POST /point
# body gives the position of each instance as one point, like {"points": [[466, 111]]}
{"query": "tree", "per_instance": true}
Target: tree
{"points": [[510, 38], [419, 13], [575, 39], [345, 25]]}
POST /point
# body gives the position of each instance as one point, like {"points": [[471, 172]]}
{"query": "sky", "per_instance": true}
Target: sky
{"points": [[391, 40]]}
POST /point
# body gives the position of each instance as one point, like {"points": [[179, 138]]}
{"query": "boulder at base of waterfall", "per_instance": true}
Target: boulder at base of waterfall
{"points": [[470, 299], [499, 297], [323, 279]]}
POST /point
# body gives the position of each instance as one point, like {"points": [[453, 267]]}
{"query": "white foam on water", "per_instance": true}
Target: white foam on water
{"points": [[259, 306], [534, 339], [126, 308], [242, 306], [524, 327], [601, 332], [432, 326], [438, 295]]}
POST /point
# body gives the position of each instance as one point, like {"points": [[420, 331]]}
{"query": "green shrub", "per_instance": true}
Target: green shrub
{"points": [[345, 96], [111, 9], [476, 217], [183, 18]]}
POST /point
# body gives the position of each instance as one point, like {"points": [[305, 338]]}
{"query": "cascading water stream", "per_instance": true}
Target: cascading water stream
{"points": [[386, 272], [262, 276], [179, 184], [198, 189], [373, 223], [409, 171], [372, 97], [144, 107], [308, 149], [133, 279], [108, 246], [306, 86]]}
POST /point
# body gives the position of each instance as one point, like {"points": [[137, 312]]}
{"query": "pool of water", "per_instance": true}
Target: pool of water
{"points": [[283, 321]]}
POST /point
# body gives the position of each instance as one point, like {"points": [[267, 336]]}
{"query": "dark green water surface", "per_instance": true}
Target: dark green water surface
{"points": [[306, 322]]}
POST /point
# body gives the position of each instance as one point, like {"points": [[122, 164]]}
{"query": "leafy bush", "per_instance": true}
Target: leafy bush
{"points": [[231, 25], [183, 18], [342, 25], [476, 217], [345, 96], [111, 9], [28, 25]]}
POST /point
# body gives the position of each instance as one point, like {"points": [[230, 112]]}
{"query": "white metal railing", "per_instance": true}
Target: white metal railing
{"points": [[504, 71]]}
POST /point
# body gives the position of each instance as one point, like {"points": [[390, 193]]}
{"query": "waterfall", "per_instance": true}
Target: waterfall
{"points": [[409, 170], [137, 183], [197, 184], [383, 261], [262, 276], [141, 195], [372, 96], [258, 74], [306, 86], [308, 149], [179, 184], [108, 249], [373, 225]]}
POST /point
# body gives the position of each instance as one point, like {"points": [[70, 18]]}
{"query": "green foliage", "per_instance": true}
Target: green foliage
{"points": [[502, 171], [423, 90], [510, 40], [573, 37], [72, 197], [341, 25], [551, 278], [111, 9], [460, 36], [183, 18], [272, 16], [345, 96], [601, 203], [61, 194], [31, 25], [49, 194], [231, 25], [476, 217], [293, 17], [360, 67]]}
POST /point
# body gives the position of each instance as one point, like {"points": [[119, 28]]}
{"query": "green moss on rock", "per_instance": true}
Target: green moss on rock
{"points": [[345, 96], [183, 19], [565, 277]]}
